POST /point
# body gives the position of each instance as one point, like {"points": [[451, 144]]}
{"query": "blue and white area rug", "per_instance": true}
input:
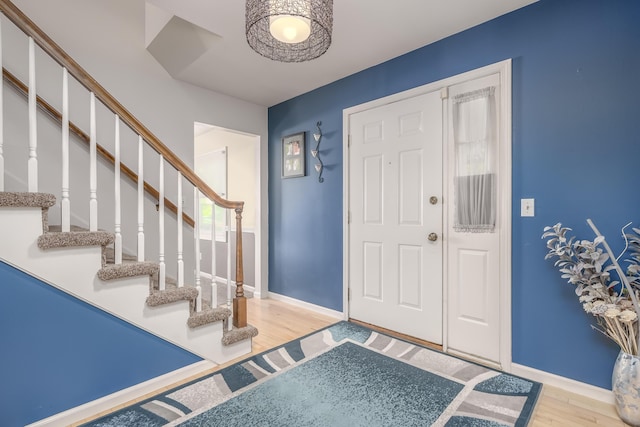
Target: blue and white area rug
{"points": [[344, 375]]}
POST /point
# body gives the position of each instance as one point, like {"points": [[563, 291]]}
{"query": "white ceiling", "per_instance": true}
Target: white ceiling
{"points": [[365, 33]]}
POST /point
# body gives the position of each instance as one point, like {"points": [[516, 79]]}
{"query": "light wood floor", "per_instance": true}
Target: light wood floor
{"points": [[279, 322]]}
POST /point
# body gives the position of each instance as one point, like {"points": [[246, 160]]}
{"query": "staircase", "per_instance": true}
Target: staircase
{"points": [[92, 263]]}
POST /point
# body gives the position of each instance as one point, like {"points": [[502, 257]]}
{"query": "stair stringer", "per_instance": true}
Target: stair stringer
{"points": [[74, 270]]}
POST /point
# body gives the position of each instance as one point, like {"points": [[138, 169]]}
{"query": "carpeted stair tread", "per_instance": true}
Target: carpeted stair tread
{"points": [[27, 200], [171, 294], [76, 228], [57, 239], [208, 315], [127, 269], [239, 334]]}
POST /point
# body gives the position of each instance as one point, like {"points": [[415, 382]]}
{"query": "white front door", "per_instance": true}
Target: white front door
{"points": [[395, 188], [457, 290]]}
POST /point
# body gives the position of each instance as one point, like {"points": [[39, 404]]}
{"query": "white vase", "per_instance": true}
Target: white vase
{"points": [[625, 384]]}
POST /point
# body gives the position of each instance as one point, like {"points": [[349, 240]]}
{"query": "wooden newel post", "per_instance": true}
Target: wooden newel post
{"points": [[239, 302]]}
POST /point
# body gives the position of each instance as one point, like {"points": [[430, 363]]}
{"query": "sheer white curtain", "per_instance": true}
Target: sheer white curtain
{"points": [[474, 130]]}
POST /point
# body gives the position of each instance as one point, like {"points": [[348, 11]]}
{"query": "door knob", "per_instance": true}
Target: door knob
{"points": [[432, 237], [433, 200]]}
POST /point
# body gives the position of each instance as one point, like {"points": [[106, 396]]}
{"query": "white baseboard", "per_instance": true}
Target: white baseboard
{"points": [[105, 403], [317, 308], [233, 282], [564, 383]]}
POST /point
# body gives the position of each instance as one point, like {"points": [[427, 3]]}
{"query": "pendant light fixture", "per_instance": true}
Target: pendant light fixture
{"points": [[289, 30]]}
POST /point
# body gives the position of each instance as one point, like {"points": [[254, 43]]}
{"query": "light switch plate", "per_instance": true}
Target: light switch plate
{"points": [[527, 207]]}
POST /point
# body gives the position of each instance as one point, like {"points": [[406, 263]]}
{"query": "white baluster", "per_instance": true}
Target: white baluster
{"points": [[180, 259], [93, 167], [162, 273], [140, 199], [32, 165], [196, 236], [214, 273], [199, 299], [117, 246], [229, 298], [1, 120], [65, 203]]}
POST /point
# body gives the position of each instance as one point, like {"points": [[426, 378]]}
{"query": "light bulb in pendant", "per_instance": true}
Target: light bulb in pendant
{"points": [[290, 28]]}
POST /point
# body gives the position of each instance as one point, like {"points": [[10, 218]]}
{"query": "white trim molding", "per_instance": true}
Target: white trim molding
{"points": [[573, 386], [307, 305], [223, 280], [126, 395]]}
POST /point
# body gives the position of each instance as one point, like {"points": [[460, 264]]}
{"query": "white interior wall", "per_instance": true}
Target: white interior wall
{"points": [[107, 38]]}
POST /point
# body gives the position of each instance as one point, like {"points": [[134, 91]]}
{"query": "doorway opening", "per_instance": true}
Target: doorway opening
{"points": [[227, 160]]}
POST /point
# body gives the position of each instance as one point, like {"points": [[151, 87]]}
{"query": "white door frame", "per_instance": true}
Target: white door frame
{"points": [[504, 69]]}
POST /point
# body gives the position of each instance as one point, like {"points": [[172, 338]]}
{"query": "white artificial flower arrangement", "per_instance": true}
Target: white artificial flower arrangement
{"points": [[614, 303]]}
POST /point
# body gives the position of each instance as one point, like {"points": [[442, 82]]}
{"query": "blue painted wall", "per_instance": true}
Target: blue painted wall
{"points": [[58, 352], [576, 150]]}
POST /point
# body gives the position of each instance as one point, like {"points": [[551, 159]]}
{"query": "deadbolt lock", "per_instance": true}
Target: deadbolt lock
{"points": [[433, 200], [432, 237]]}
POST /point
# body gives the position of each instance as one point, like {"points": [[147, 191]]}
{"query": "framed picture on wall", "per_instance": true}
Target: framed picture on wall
{"points": [[293, 158]]}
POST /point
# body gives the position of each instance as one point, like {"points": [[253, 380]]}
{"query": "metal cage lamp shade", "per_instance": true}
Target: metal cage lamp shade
{"points": [[289, 30]]}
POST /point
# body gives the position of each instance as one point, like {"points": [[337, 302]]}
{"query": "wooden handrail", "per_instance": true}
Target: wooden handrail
{"points": [[16, 16], [56, 115]]}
